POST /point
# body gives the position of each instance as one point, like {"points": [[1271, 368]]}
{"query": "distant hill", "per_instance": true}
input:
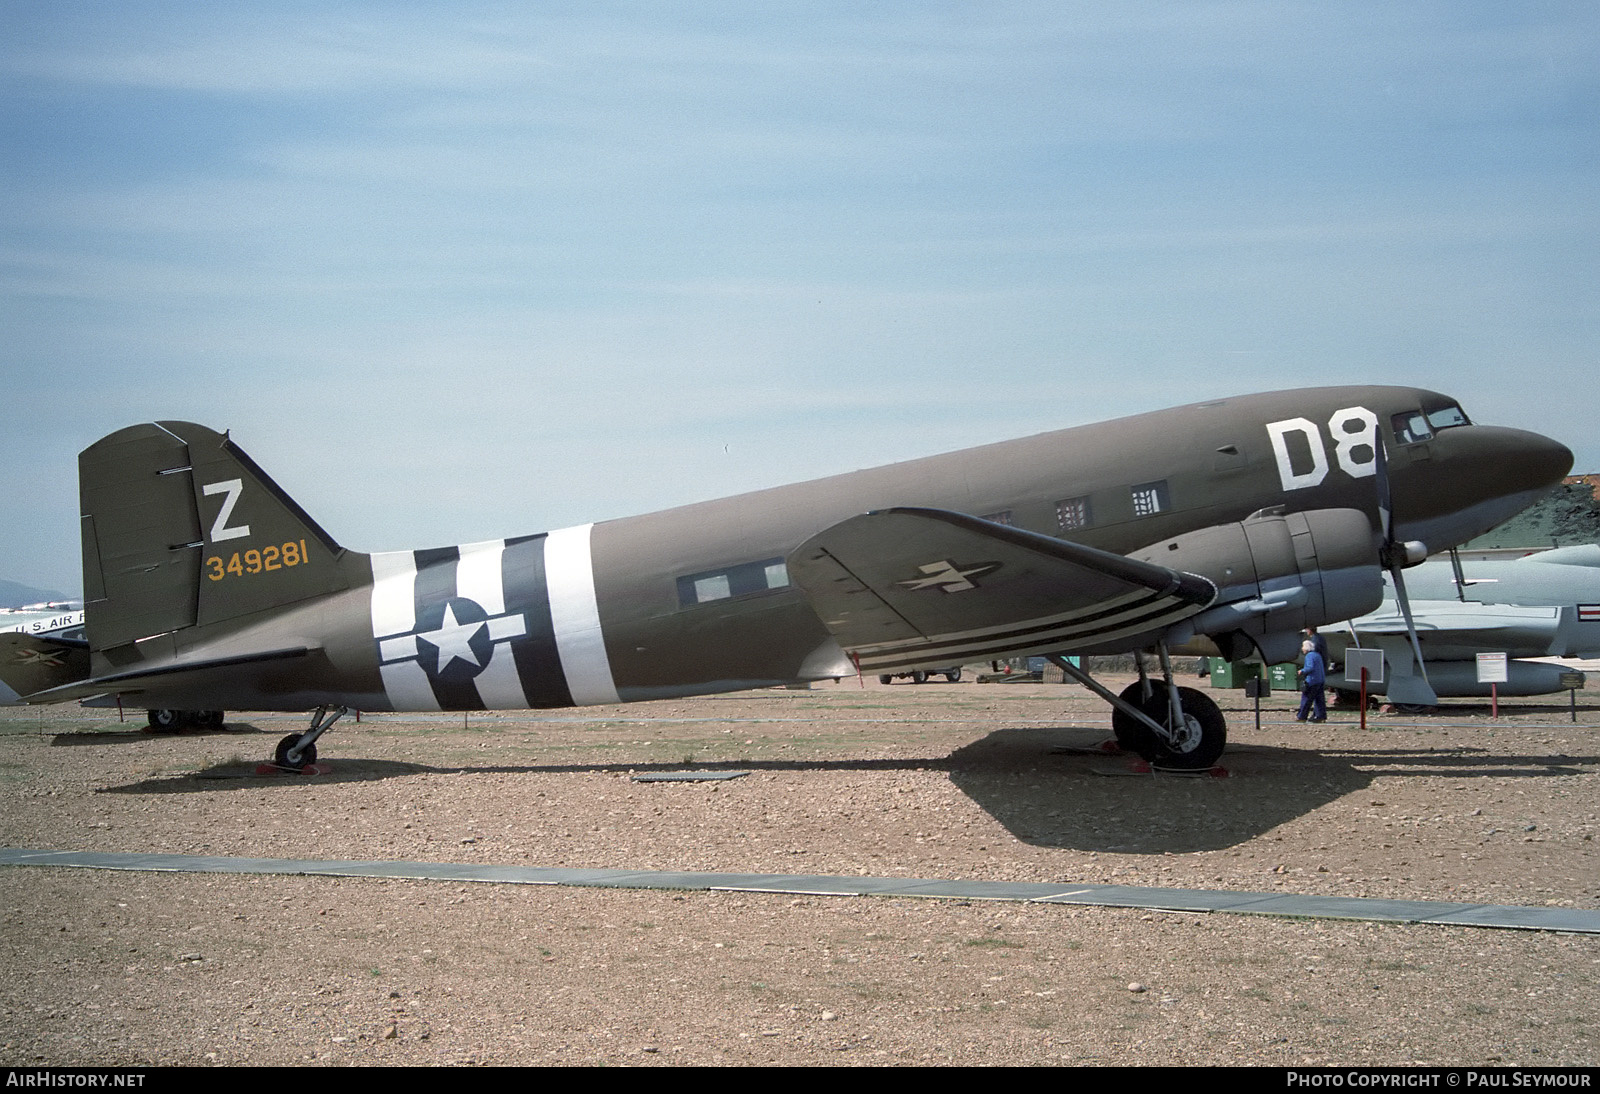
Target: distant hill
{"points": [[1568, 516], [14, 594]]}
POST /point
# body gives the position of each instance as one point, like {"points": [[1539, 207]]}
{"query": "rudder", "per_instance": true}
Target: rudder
{"points": [[182, 529]]}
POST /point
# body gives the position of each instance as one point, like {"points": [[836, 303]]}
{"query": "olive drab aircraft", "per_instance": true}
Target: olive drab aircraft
{"points": [[1237, 521]]}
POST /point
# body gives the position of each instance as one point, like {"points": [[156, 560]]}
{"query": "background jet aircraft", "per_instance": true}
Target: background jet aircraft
{"points": [[1241, 519], [61, 620], [41, 647], [1543, 605]]}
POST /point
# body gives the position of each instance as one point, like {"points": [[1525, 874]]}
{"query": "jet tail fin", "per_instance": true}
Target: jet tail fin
{"points": [[182, 529]]}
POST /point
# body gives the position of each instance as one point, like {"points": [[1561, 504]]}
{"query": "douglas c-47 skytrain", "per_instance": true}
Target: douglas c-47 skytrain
{"points": [[1240, 520]]}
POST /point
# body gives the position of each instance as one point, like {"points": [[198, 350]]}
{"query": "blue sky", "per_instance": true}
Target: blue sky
{"points": [[453, 272]]}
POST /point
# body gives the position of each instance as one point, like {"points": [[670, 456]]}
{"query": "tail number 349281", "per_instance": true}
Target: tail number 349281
{"points": [[253, 561]]}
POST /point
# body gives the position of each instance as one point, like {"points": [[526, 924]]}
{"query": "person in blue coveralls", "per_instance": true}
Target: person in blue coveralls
{"points": [[1313, 675]]}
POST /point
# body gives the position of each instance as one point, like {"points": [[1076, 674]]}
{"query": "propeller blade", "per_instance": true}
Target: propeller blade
{"points": [[1411, 627], [1395, 555], [1385, 503]]}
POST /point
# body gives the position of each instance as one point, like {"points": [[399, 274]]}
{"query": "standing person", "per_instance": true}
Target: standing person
{"points": [[1312, 678], [1318, 643]]}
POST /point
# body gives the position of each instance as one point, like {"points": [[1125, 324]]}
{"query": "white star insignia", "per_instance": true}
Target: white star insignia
{"points": [[947, 577], [453, 640]]}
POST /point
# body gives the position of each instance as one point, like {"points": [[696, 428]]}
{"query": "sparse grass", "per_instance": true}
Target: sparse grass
{"points": [[994, 943]]}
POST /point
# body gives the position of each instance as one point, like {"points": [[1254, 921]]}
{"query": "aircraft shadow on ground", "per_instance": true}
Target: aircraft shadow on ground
{"points": [[134, 734], [1051, 787], [1048, 786], [236, 775]]}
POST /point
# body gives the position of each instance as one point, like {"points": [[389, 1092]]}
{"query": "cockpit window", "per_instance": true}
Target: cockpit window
{"points": [[1411, 426], [1451, 415]]}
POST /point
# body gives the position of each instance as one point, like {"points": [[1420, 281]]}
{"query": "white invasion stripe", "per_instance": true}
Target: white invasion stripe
{"points": [[478, 575], [1056, 640], [1098, 614], [394, 593], [397, 649], [507, 626], [575, 616], [406, 685], [499, 686], [1028, 629]]}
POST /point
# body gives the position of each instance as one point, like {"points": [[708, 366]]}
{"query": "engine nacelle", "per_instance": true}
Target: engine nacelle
{"points": [[1276, 574]]}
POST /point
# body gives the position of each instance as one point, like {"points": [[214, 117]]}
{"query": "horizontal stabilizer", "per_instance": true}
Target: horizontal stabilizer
{"points": [[130, 680], [903, 588], [31, 663]]}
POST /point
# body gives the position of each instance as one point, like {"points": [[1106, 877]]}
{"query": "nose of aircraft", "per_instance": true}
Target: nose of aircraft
{"points": [[1477, 477], [1513, 460]]}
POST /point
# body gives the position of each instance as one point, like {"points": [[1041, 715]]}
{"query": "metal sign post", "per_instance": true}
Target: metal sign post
{"points": [[1572, 681], [1492, 671], [1365, 666]]}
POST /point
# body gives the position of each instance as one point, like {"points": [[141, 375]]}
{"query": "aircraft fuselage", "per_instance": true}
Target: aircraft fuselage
{"points": [[697, 599]]}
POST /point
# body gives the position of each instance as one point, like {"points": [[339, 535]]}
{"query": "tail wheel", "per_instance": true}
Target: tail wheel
{"points": [[1197, 746], [280, 755]]}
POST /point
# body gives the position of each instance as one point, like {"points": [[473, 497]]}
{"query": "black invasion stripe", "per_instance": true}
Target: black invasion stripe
{"points": [[1154, 603], [528, 593], [978, 648], [436, 583]]}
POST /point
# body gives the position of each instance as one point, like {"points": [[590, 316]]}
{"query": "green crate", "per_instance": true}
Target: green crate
{"points": [[1284, 677], [1233, 674]]}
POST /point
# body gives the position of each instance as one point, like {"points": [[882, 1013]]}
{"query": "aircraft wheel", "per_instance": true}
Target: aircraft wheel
{"points": [[886, 679], [1204, 738], [211, 719], [919, 677], [280, 755], [954, 676], [1131, 733], [169, 721]]}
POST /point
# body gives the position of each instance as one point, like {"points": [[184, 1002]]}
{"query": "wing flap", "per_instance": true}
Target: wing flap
{"points": [[902, 588]]}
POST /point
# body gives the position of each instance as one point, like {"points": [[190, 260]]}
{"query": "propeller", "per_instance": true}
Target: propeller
{"points": [[1394, 556]]}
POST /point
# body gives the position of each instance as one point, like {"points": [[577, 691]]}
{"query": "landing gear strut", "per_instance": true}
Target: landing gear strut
{"points": [[297, 750], [1166, 725]]}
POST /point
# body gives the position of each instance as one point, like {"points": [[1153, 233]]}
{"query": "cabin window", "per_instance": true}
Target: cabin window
{"points": [[1448, 417], [745, 579], [1411, 426], [1150, 498], [1072, 514], [1002, 517]]}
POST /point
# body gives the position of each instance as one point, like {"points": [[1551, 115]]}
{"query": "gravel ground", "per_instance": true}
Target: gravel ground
{"points": [[966, 781]]}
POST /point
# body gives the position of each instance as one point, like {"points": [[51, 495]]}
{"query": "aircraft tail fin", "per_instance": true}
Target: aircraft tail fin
{"points": [[182, 529]]}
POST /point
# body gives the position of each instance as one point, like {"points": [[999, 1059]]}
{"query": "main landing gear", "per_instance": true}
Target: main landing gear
{"points": [[1166, 725], [176, 721], [298, 750]]}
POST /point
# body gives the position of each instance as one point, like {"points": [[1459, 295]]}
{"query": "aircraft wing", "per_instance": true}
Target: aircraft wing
{"points": [[903, 588], [1452, 615]]}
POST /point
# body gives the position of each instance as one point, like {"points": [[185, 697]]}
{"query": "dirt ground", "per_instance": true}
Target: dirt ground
{"points": [[939, 780]]}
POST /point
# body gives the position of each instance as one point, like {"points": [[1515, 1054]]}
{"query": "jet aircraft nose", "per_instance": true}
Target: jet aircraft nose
{"points": [[1475, 478]]}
